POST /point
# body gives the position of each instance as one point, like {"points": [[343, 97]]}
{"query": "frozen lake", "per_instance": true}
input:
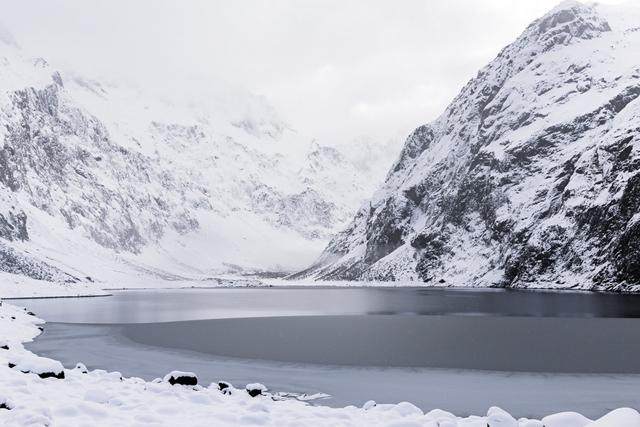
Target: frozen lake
{"points": [[533, 353]]}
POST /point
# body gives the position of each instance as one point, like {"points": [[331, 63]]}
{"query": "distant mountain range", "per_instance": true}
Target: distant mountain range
{"points": [[529, 178], [111, 183]]}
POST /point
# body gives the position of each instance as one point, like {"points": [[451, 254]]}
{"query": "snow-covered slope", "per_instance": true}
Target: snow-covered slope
{"points": [[112, 183], [530, 177]]}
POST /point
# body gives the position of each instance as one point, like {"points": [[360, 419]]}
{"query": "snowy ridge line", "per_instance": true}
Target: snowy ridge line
{"points": [[105, 183], [529, 178], [47, 394]]}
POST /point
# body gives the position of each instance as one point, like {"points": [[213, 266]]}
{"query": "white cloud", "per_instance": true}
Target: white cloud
{"points": [[333, 68]]}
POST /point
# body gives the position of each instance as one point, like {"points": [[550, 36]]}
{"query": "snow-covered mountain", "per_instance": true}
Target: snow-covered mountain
{"points": [[530, 177], [110, 182]]}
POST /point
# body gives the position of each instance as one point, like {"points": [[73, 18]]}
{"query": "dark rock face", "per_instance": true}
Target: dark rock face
{"points": [[17, 262], [385, 232], [531, 177], [63, 178], [14, 226]]}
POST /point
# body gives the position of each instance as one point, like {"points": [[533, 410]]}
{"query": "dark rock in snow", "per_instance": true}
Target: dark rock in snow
{"points": [[181, 378], [41, 366], [225, 387], [255, 389], [59, 375]]}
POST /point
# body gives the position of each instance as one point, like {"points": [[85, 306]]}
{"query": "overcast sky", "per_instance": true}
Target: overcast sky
{"points": [[336, 69]]}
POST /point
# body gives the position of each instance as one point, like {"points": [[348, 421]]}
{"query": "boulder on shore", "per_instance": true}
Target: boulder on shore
{"points": [[181, 378], [256, 389]]}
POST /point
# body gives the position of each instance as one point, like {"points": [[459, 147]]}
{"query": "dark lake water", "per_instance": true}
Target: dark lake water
{"points": [[462, 350], [193, 304]]}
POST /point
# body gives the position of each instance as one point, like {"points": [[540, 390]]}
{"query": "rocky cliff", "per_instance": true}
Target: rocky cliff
{"points": [[530, 177]]}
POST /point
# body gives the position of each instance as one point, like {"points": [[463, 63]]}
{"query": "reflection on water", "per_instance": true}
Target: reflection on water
{"points": [[193, 304]]}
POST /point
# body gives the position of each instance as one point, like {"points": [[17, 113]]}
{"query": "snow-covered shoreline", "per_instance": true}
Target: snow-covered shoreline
{"points": [[17, 287], [101, 398]]}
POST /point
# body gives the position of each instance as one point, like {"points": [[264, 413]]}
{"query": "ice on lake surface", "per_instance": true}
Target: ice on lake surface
{"points": [[533, 353]]}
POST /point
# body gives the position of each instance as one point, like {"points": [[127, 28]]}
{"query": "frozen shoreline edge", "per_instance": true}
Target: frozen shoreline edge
{"points": [[370, 414]]}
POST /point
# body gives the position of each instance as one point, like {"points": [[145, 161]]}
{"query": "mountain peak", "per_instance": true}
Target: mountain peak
{"points": [[570, 19], [529, 178]]}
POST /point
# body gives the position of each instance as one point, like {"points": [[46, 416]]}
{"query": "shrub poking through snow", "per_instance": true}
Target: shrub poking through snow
{"points": [[255, 389], [181, 378]]}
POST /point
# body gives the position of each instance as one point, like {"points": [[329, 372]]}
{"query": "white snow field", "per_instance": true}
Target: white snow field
{"points": [[104, 182], [19, 286], [36, 391]]}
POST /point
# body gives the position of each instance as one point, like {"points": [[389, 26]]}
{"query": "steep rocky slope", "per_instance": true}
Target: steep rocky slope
{"points": [[111, 182], [530, 177]]}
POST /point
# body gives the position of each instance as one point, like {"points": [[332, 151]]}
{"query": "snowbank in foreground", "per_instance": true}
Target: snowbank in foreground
{"points": [[44, 397]]}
